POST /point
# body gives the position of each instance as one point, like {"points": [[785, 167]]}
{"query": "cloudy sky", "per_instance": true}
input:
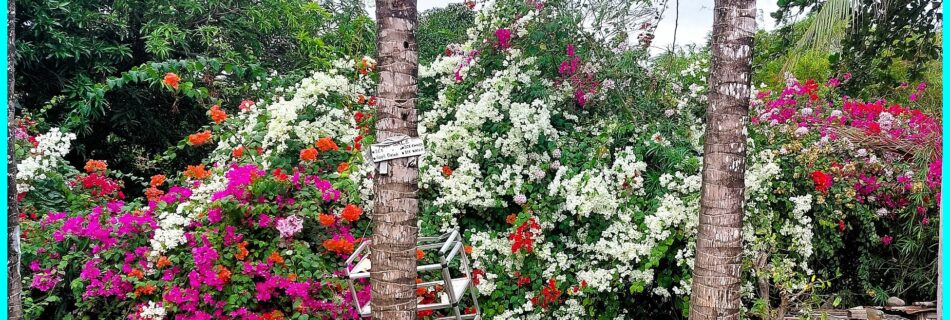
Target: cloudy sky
{"points": [[695, 19]]}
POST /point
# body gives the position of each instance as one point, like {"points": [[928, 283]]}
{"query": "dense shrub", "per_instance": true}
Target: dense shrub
{"points": [[570, 164]]}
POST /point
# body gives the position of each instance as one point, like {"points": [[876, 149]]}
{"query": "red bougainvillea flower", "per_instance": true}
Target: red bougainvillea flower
{"points": [[523, 237], [273, 315], [841, 225], [308, 154], [351, 213], [470, 4], [475, 275], [279, 175], [523, 281], [822, 180], [237, 152], [200, 138], [446, 171], [811, 89], [873, 128], [171, 79], [327, 219], [327, 144], [95, 166], [549, 294], [197, 172], [218, 115]]}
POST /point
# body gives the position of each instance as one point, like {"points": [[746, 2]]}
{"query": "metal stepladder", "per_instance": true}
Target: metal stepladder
{"points": [[449, 247]]}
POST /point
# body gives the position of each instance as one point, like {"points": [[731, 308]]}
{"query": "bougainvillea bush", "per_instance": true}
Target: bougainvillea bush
{"points": [[571, 165], [257, 232]]}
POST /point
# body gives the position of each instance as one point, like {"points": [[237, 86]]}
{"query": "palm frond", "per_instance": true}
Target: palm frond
{"points": [[825, 31]]}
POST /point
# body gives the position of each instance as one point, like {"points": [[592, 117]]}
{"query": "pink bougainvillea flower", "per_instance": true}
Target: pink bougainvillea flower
{"points": [[504, 38], [886, 240]]}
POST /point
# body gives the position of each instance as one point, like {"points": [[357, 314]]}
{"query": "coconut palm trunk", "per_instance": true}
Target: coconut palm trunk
{"points": [[14, 290], [716, 272], [393, 274]]}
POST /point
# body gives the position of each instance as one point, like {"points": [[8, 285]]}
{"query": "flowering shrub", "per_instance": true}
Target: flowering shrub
{"points": [[862, 178], [571, 166], [255, 235]]}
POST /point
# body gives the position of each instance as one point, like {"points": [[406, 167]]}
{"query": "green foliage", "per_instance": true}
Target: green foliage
{"points": [[441, 26], [96, 66]]}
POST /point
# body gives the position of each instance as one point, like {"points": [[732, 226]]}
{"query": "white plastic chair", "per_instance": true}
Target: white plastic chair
{"points": [[449, 247]]}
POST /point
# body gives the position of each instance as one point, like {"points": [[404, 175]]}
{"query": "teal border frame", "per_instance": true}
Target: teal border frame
{"points": [[3, 185], [942, 264]]}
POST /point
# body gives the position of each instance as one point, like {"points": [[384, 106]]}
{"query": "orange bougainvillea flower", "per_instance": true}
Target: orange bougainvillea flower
{"points": [[95, 165], [511, 218], [421, 290], [197, 172], [237, 152], [361, 99], [341, 246], [468, 249], [351, 213], [446, 171], [144, 290], [163, 262], [292, 277], [200, 138], [153, 193], [157, 180], [218, 115], [327, 144], [308, 154], [223, 273], [275, 258], [172, 79], [420, 255], [242, 251], [136, 273], [327, 219], [342, 167]]}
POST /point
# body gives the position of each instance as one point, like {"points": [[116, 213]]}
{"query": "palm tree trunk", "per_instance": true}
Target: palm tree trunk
{"points": [[393, 275], [14, 289], [716, 273]]}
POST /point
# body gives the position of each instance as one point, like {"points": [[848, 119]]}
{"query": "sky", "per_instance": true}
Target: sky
{"points": [[695, 20]]}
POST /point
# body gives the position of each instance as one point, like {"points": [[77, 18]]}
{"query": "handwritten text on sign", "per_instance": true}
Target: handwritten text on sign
{"points": [[410, 147]]}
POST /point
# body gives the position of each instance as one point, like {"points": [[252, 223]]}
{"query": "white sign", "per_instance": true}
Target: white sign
{"points": [[388, 150]]}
